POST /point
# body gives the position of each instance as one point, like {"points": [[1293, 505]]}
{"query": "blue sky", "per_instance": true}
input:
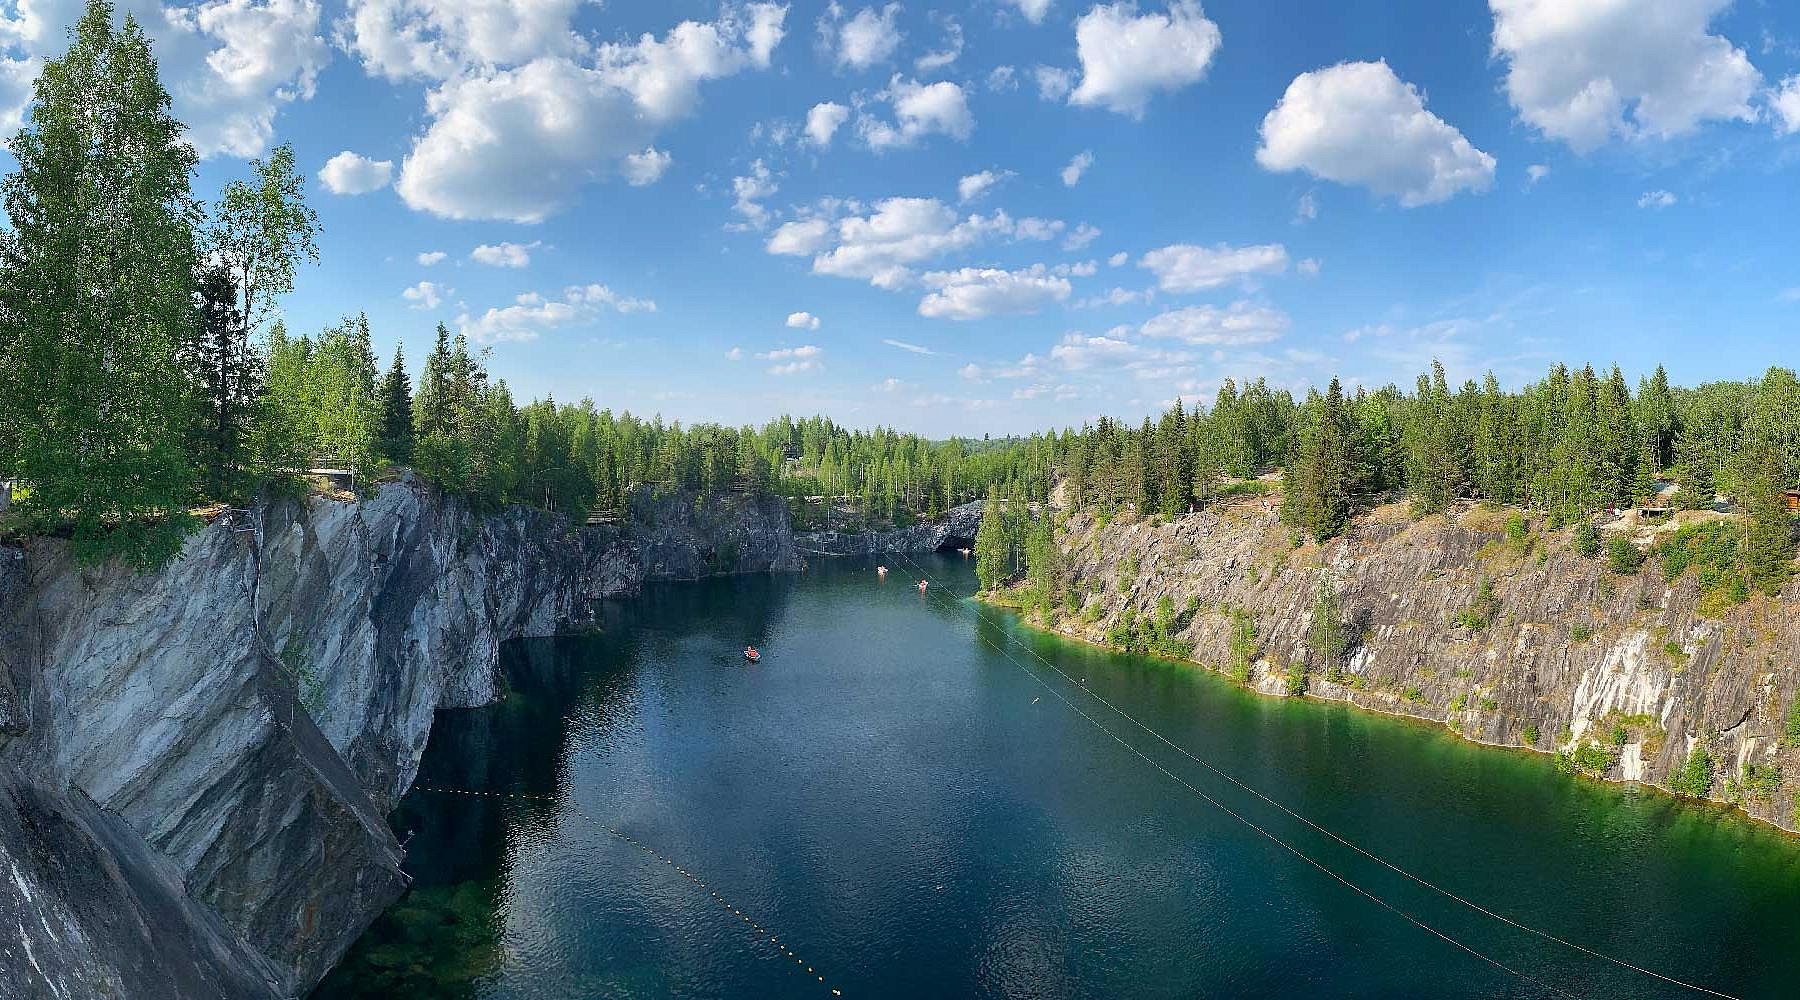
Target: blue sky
{"points": [[633, 201]]}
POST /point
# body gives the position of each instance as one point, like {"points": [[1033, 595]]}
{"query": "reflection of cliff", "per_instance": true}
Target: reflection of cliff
{"points": [[213, 746]]}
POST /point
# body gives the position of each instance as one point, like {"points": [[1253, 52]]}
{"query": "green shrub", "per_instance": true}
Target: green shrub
{"points": [[1413, 694], [1587, 539], [1296, 679], [1756, 781], [1792, 737], [1482, 610], [1243, 644], [1695, 778], [1580, 632], [1459, 703], [1590, 759], [1529, 735], [1622, 556], [1489, 704]]}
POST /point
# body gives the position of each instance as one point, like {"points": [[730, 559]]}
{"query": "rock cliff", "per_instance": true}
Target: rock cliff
{"points": [[196, 763], [1572, 654], [956, 529]]}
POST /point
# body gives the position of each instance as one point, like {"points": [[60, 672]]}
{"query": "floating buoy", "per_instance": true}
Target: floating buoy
{"points": [[751, 654]]}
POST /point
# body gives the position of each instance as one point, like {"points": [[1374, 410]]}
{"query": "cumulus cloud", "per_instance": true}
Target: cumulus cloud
{"points": [[1127, 57], [425, 295], [794, 360], [940, 108], [1656, 199], [1183, 267], [1308, 267], [884, 245], [1077, 165], [973, 186], [1587, 71], [823, 120], [1536, 172], [748, 192], [1238, 325], [976, 293], [1118, 259], [430, 258], [1116, 297], [229, 65], [646, 167], [1080, 237], [802, 321], [1034, 10], [350, 173], [532, 314], [864, 39], [514, 255], [518, 143], [939, 58], [437, 39], [1358, 123], [1002, 79], [1784, 105]]}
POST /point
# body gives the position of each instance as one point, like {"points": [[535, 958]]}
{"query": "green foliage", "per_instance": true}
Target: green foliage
{"points": [[1242, 644], [1529, 735], [1413, 694], [1459, 703], [1296, 679], [1482, 610], [1580, 632], [1622, 557], [97, 274], [1695, 779], [1587, 758], [1755, 781], [1489, 704], [1587, 538], [1328, 637], [1791, 735], [308, 686], [1155, 636], [991, 548]]}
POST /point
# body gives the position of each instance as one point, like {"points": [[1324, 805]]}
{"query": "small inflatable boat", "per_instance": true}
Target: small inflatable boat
{"points": [[751, 654]]}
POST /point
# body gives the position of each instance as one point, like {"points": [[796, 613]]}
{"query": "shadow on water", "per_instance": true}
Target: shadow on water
{"points": [[443, 939]]}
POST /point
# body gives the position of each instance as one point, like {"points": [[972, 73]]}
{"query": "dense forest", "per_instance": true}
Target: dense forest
{"points": [[145, 372]]}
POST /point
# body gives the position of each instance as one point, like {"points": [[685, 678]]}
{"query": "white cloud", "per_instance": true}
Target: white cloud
{"points": [[1307, 208], [1656, 199], [646, 167], [1116, 297], [1034, 10], [438, 39], [1118, 259], [884, 245], [1126, 58], [1308, 267], [939, 58], [514, 255], [431, 258], [1077, 165], [911, 348], [974, 186], [1184, 267], [519, 143], [976, 293], [1358, 123], [1239, 325], [735, 354], [867, 38], [920, 110], [1080, 237], [1053, 83], [1586, 71], [350, 173], [1784, 105], [794, 360], [1536, 172], [748, 192], [823, 120], [1002, 79], [531, 314], [425, 295], [802, 321]]}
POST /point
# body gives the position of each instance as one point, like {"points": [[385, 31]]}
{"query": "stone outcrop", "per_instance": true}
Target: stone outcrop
{"points": [[956, 529], [1574, 653], [195, 764]]}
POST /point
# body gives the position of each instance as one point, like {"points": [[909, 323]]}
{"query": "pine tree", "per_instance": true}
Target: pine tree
{"points": [[397, 410], [229, 371], [96, 284]]}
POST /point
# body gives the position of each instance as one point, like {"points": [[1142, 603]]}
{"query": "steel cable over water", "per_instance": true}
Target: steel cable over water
{"points": [[668, 862], [1295, 815]]}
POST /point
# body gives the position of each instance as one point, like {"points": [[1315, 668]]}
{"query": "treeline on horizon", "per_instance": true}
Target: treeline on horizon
{"points": [[144, 370]]}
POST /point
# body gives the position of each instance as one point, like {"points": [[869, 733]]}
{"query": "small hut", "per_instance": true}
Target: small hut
{"points": [[1793, 500]]}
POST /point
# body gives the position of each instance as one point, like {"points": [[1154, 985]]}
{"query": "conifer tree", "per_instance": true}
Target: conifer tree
{"points": [[229, 371], [397, 410], [96, 284], [991, 546], [1769, 538]]}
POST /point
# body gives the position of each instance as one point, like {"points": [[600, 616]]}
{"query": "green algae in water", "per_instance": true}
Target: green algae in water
{"points": [[437, 942]]}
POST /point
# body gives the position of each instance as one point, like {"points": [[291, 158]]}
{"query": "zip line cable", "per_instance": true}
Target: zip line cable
{"points": [[1297, 816], [667, 861]]}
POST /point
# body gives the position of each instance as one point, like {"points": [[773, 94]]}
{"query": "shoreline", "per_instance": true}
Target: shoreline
{"points": [[1734, 810]]}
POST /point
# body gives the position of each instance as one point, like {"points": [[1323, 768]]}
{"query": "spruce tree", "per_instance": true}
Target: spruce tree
{"points": [[1769, 538], [96, 284], [397, 410], [230, 376]]}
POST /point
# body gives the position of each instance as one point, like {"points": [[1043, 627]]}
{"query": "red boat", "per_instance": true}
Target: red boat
{"points": [[751, 654]]}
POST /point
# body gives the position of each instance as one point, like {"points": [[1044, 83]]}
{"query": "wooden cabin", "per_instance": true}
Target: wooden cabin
{"points": [[1793, 500]]}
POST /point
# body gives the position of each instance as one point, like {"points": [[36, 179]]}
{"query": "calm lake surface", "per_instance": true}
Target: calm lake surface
{"points": [[913, 815]]}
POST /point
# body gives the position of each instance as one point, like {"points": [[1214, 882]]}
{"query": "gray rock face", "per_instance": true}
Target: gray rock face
{"points": [[956, 529], [197, 762], [1573, 649]]}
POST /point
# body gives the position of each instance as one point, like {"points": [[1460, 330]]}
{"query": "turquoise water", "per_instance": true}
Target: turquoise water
{"points": [[914, 815]]}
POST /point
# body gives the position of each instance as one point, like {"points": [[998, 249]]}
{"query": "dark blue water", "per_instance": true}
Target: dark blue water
{"points": [[913, 814]]}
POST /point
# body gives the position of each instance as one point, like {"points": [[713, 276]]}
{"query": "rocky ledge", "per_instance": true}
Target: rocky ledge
{"points": [[1567, 655], [195, 764], [956, 529]]}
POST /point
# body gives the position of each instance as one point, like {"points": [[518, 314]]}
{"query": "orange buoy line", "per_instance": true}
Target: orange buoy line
{"points": [[667, 862]]}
